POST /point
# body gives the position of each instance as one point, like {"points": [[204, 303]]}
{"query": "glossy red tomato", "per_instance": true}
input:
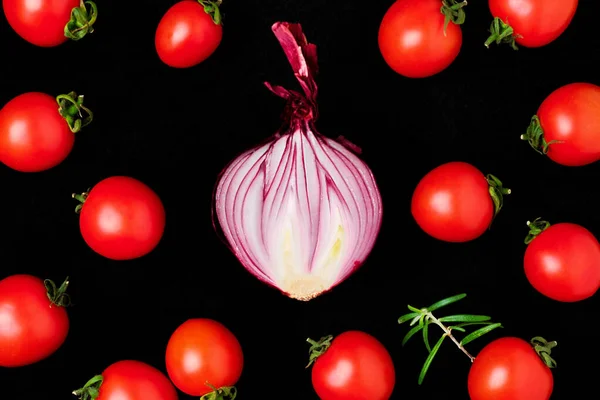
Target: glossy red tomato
{"points": [[32, 327], [129, 380], [412, 40], [535, 22], [509, 369], [203, 352], [454, 202], [43, 22], [354, 366], [568, 121], [562, 261], [189, 33], [34, 136], [121, 218]]}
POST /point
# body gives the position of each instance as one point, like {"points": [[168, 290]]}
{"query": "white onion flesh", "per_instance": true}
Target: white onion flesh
{"points": [[301, 212]]}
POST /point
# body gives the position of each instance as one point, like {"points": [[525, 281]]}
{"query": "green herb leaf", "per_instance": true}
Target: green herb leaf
{"points": [[430, 359], [411, 308], [446, 301], [472, 323], [415, 320], [407, 317], [479, 332], [456, 328], [410, 334], [426, 336], [464, 318]]}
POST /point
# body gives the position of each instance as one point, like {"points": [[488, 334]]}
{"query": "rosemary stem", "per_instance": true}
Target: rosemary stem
{"points": [[448, 333]]}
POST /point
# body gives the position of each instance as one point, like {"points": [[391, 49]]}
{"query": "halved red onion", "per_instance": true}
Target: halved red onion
{"points": [[301, 212]]}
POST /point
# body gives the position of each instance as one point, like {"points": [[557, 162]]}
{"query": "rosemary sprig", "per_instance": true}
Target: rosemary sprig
{"points": [[420, 319]]}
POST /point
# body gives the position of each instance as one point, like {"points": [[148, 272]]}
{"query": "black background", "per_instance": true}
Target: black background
{"points": [[176, 129]]}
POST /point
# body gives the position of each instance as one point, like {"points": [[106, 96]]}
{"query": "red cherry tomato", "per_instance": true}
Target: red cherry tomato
{"points": [[535, 23], [567, 125], [509, 369], [454, 202], [562, 261], [129, 380], [412, 39], [203, 355], [121, 218], [354, 366], [189, 33], [34, 136], [32, 326], [43, 22]]}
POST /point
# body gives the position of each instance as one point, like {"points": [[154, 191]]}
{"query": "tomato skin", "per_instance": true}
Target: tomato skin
{"points": [[452, 203], [122, 218], [412, 40], [41, 23], [563, 263], [539, 22], [34, 136], [135, 380], [187, 35], [509, 369], [571, 115], [30, 328], [355, 367], [203, 350]]}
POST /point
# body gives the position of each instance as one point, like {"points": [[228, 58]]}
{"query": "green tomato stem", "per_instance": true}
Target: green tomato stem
{"points": [[543, 348], [500, 33], [81, 198], [318, 348], [223, 393], [211, 7], [453, 12], [58, 296], [82, 20], [90, 390], [71, 108], [536, 227]]}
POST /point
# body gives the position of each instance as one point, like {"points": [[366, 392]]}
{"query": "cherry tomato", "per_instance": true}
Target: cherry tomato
{"points": [[412, 39], [455, 202], [121, 218], [49, 23], [189, 33], [562, 261], [203, 355], [567, 125], [33, 320], [128, 380], [510, 369], [535, 23], [36, 134], [354, 366]]}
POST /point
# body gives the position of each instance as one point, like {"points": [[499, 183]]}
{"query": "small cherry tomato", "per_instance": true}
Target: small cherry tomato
{"points": [[530, 23], [511, 369], [562, 261], [414, 39], [354, 366], [203, 356], [128, 380], [37, 131], [33, 320], [455, 202], [121, 218], [49, 23], [189, 33], [567, 125]]}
